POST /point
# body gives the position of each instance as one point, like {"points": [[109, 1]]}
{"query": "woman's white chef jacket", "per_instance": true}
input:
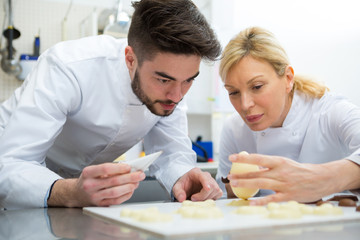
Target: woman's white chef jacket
{"points": [[314, 131], [75, 109]]}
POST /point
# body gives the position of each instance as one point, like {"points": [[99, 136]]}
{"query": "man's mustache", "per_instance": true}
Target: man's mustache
{"points": [[168, 102]]}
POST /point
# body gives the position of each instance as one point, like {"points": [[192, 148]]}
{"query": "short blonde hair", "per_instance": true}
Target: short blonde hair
{"points": [[262, 44]]}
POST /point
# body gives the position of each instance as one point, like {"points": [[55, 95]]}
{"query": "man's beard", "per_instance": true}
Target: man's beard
{"points": [[139, 92]]}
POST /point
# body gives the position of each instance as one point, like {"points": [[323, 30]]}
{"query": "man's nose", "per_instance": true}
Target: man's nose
{"points": [[175, 93]]}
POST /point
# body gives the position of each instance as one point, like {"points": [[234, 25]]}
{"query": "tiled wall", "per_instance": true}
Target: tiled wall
{"points": [[46, 16]]}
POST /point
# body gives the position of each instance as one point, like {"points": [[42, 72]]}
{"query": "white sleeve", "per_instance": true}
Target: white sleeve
{"points": [[8, 106], [170, 136], [228, 146], [344, 121], [50, 94]]}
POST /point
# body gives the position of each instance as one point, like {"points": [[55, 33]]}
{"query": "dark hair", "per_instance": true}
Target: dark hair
{"points": [[174, 26]]}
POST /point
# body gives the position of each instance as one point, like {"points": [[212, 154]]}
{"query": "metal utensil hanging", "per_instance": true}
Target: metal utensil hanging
{"points": [[8, 62]]}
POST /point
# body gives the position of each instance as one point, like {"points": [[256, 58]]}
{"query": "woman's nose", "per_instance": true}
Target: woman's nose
{"points": [[246, 101]]}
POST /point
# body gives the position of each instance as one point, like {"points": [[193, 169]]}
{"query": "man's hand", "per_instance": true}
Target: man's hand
{"points": [[99, 185], [197, 186]]}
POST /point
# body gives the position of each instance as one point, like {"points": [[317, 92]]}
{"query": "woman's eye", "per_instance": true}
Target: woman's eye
{"points": [[257, 87]]}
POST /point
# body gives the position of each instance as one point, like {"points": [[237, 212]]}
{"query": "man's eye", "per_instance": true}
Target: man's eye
{"points": [[163, 80], [233, 93]]}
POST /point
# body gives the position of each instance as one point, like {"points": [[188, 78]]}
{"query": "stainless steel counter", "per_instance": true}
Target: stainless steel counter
{"points": [[72, 223]]}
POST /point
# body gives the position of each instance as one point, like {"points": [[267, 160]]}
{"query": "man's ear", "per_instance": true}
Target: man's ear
{"points": [[130, 59], [289, 73]]}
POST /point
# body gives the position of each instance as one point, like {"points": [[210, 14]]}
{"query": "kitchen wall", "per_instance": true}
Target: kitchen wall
{"points": [[321, 37], [32, 17]]}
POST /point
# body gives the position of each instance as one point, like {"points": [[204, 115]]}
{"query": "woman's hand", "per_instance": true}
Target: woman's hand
{"points": [[291, 180], [98, 185]]}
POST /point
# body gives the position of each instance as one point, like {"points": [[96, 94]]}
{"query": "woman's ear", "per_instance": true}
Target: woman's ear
{"points": [[289, 73]]}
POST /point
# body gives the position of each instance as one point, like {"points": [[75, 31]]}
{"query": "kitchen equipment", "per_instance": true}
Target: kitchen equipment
{"points": [[118, 26], [203, 149], [64, 32], [201, 153], [8, 62], [37, 45], [27, 63]]}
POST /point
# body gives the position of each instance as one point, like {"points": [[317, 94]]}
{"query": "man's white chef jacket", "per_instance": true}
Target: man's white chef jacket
{"points": [[75, 109], [314, 131]]}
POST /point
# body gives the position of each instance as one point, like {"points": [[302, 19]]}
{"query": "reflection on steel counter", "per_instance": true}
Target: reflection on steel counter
{"points": [[149, 190]]}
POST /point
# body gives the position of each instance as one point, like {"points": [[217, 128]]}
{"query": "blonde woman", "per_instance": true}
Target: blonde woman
{"points": [[305, 138]]}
